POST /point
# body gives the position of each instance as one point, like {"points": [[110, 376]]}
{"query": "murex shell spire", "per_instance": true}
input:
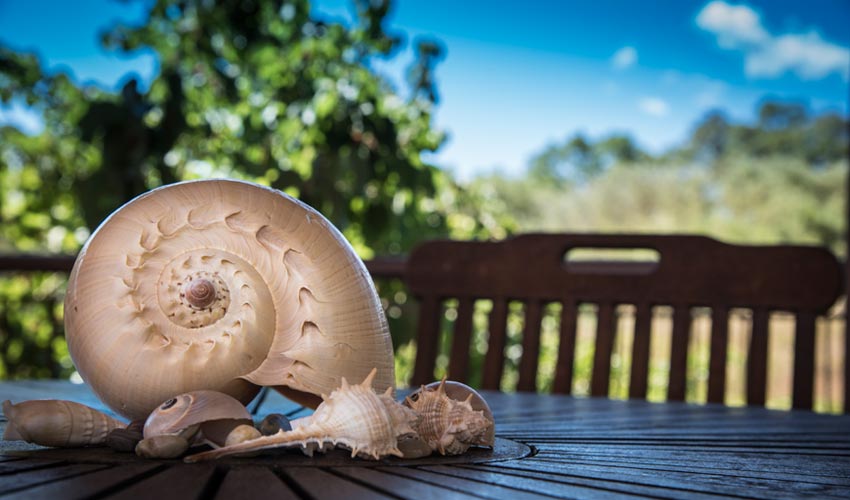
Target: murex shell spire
{"points": [[221, 285]]}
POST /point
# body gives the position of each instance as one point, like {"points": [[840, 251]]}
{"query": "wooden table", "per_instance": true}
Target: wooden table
{"points": [[549, 446]]}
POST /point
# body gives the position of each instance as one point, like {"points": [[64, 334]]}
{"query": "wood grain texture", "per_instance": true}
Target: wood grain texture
{"points": [[530, 347], [606, 326], [563, 383], [757, 358], [495, 358], [717, 359], [640, 352], [462, 335]]}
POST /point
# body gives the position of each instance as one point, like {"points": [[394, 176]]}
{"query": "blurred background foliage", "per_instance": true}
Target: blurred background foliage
{"points": [[261, 91]]}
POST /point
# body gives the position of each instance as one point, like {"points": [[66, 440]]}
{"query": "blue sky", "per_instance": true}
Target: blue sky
{"points": [[519, 76]]}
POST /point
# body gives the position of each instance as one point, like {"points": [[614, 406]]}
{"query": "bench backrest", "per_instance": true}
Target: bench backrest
{"points": [[692, 271]]}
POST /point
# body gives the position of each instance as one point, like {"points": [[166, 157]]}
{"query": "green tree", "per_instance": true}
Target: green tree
{"points": [[575, 161]]}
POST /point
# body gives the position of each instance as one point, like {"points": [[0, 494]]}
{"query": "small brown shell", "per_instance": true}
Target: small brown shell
{"points": [[353, 416], [53, 422], [212, 413], [453, 417]]}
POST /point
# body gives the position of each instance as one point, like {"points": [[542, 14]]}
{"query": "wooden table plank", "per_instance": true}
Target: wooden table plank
{"points": [[253, 482], [472, 487], [21, 480], [101, 482], [686, 483], [320, 483], [176, 482], [401, 486]]}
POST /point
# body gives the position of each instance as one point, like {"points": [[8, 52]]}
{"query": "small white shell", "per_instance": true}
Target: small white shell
{"points": [[353, 416], [53, 422]]}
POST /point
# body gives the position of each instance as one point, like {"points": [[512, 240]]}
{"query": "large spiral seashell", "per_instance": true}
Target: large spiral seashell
{"points": [[58, 423], [353, 416], [221, 285]]}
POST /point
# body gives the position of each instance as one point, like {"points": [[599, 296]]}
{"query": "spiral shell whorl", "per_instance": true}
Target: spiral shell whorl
{"points": [[198, 285]]}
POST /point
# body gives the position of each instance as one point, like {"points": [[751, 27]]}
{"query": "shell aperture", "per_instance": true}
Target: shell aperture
{"points": [[220, 285]]}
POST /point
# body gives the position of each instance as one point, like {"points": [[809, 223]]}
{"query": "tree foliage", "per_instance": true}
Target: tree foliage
{"points": [[778, 179]]}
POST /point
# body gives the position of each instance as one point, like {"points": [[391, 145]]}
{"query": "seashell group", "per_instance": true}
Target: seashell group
{"points": [[189, 297], [53, 422], [353, 416], [221, 285]]}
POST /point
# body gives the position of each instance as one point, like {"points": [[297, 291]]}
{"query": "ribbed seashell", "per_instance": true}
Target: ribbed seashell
{"points": [[450, 426], [353, 416], [53, 422], [221, 285], [199, 416]]}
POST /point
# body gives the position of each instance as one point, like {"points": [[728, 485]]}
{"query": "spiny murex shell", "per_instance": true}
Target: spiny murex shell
{"points": [[450, 426], [53, 422], [221, 285], [202, 417], [353, 416]]}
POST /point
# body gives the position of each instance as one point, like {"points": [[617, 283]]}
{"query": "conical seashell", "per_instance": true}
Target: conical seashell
{"points": [[199, 416], [221, 285], [449, 425], [353, 416], [53, 422]]}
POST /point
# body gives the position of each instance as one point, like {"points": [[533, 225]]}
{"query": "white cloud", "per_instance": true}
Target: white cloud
{"points": [[807, 55], [624, 58], [734, 25], [654, 106], [769, 55]]}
